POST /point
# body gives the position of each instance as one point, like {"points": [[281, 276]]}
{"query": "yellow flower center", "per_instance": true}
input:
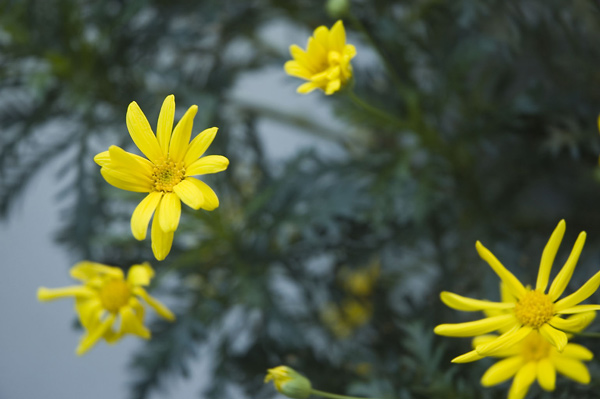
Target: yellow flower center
{"points": [[167, 174], [534, 309], [114, 294], [534, 347]]}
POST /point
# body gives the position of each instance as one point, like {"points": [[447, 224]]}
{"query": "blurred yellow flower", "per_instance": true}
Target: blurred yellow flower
{"points": [[534, 358], [166, 174], [530, 309], [326, 61], [289, 382], [105, 296]]}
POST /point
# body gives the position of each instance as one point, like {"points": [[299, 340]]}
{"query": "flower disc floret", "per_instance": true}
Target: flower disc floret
{"points": [[114, 294], [166, 174], [534, 309]]}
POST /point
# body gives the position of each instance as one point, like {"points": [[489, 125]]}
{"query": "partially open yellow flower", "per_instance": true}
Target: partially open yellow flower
{"points": [[106, 296], [326, 61], [289, 382], [167, 173], [530, 309]]}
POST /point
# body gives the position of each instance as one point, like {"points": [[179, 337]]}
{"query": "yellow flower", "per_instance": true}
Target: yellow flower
{"points": [[530, 309], [166, 174], [105, 296], [534, 358], [326, 61], [289, 382]]}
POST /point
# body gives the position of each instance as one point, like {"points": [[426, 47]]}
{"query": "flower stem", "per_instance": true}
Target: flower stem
{"points": [[376, 111], [333, 395]]}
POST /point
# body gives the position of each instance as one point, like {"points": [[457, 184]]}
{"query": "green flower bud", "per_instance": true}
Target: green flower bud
{"points": [[289, 382], [338, 8]]}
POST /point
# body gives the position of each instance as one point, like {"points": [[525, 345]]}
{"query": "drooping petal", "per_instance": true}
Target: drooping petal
{"points": [[142, 214], [459, 302], [578, 352], [562, 278], [512, 283], [141, 132], [502, 371], [573, 369], [49, 294], [580, 295], [161, 240], [130, 324], [121, 180], [307, 87], [207, 165], [571, 323], [170, 212], [477, 327], [140, 274], [89, 311], [86, 270], [199, 145], [505, 341], [161, 309], [189, 193], [582, 320], [555, 337], [548, 256], [181, 135], [523, 380], [546, 374], [333, 86], [92, 337], [211, 201], [165, 123]]}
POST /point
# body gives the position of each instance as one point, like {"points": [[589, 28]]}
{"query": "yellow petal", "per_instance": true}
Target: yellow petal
{"points": [[142, 214], [161, 309], [199, 145], [133, 164], [504, 341], [307, 87], [467, 357], [86, 270], [523, 380], [582, 320], [102, 159], [562, 278], [333, 86], [337, 37], [161, 240], [546, 374], [477, 327], [50, 294], [578, 352], [141, 133], [130, 324], [211, 201], [502, 371], [321, 35], [140, 274], [181, 135], [578, 309], [207, 165], [571, 323], [459, 302], [124, 181], [580, 295], [302, 58], [294, 68], [573, 369], [548, 256], [189, 193], [170, 212], [165, 123], [89, 311], [555, 337], [92, 337], [512, 283]]}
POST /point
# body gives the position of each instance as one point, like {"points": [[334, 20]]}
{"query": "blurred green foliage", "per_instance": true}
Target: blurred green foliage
{"points": [[498, 141]]}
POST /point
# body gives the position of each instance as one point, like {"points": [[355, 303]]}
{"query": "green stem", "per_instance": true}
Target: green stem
{"points": [[333, 395], [376, 111]]}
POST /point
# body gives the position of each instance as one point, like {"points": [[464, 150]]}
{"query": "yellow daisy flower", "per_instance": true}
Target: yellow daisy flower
{"points": [[166, 174], [326, 61], [289, 382], [535, 359], [530, 309], [105, 296]]}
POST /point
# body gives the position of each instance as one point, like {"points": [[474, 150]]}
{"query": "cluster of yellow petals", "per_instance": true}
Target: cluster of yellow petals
{"points": [[105, 296], [326, 61]]}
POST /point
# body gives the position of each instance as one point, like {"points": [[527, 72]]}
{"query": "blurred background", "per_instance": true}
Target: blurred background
{"points": [[337, 228]]}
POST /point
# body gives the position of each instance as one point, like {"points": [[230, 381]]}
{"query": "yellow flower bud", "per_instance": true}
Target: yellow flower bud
{"points": [[289, 382]]}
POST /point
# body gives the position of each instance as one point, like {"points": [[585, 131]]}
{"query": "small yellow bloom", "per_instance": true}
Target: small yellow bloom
{"points": [[167, 173], [326, 61], [529, 310], [105, 296], [534, 358], [289, 382]]}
